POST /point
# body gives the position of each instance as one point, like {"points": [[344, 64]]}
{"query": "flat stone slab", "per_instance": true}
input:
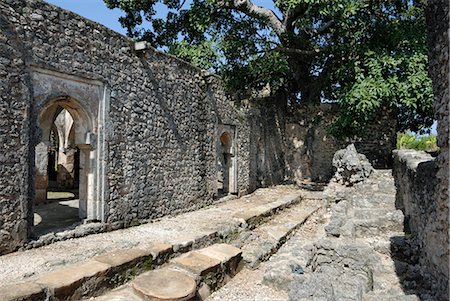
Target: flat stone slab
{"points": [[21, 291], [165, 284], [160, 249], [196, 263], [66, 281], [122, 257], [221, 252], [267, 209]]}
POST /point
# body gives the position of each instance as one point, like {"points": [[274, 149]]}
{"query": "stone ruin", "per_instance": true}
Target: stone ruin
{"points": [[140, 134], [132, 133], [351, 167]]}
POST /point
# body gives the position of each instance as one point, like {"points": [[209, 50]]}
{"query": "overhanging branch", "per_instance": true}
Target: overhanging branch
{"points": [[296, 51], [250, 9]]}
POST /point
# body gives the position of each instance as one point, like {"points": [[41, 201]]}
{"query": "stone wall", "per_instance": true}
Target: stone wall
{"points": [[150, 121], [15, 96], [310, 148], [267, 119], [416, 180], [438, 35]]}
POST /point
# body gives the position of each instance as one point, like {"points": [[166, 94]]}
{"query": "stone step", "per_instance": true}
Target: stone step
{"points": [[371, 213], [190, 276], [389, 297], [377, 201], [259, 214], [391, 222], [112, 269], [258, 245]]}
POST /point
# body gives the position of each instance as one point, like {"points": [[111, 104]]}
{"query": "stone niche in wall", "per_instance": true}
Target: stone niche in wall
{"points": [[227, 167], [81, 105]]}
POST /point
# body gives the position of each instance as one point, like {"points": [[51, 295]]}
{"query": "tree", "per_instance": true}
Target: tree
{"points": [[367, 55]]}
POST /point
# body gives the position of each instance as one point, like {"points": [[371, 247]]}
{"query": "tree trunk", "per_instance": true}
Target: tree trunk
{"points": [[306, 84]]}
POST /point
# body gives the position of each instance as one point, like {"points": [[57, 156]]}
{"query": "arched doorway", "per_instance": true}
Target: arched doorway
{"points": [[64, 163], [228, 163]]}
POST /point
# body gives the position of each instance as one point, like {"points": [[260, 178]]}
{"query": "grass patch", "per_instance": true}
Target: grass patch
{"points": [[422, 143]]}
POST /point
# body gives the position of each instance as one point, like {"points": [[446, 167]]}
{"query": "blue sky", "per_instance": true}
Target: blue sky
{"points": [[96, 10]]}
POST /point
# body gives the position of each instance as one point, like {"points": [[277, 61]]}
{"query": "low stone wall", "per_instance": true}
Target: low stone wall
{"points": [[437, 13], [416, 182]]}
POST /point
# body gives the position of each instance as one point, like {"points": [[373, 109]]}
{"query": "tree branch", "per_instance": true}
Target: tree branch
{"points": [[296, 51], [294, 14], [250, 9], [320, 30]]}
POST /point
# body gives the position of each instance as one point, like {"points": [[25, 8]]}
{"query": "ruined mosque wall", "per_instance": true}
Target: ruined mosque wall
{"points": [[15, 101], [310, 147], [156, 118]]}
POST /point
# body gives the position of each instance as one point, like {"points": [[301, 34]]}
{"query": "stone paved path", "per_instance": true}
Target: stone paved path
{"points": [[180, 231]]}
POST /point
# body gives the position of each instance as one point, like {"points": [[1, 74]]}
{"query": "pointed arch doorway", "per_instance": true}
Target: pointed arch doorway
{"points": [[64, 165]]}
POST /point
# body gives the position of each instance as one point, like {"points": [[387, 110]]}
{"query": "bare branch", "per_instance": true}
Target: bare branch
{"points": [[250, 9]]}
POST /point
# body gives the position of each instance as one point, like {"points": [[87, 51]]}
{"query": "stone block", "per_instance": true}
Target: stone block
{"points": [[228, 255], [165, 284], [22, 291], [160, 249], [221, 252], [196, 263], [75, 281], [123, 257]]}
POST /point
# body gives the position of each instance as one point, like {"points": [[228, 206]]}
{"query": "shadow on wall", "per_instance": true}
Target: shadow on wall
{"points": [[310, 148], [268, 164]]}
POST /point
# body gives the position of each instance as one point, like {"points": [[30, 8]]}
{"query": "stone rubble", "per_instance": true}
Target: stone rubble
{"points": [[361, 253], [351, 167]]}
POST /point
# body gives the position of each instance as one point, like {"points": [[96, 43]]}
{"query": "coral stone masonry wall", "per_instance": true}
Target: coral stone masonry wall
{"points": [[415, 177], [310, 147], [15, 102], [438, 34], [147, 122]]}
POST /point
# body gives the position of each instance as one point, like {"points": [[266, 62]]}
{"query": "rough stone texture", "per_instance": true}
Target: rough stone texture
{"points": [[65, 283], [310, 148], [351, 167], [268, 145], [15, 102], [438, 34], [156, 144], [359, 251], [415, 175]]}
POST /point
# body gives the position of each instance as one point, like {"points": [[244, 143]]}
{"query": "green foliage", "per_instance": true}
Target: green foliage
{"points": [[423, 143], [203, 55], [365, 55]]}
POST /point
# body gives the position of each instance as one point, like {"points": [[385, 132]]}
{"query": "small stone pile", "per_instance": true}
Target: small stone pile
{"points": [[351, 167]]}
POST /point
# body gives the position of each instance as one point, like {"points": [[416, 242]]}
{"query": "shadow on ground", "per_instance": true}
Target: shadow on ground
{"points": [[405, 255], [59, 213]]}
